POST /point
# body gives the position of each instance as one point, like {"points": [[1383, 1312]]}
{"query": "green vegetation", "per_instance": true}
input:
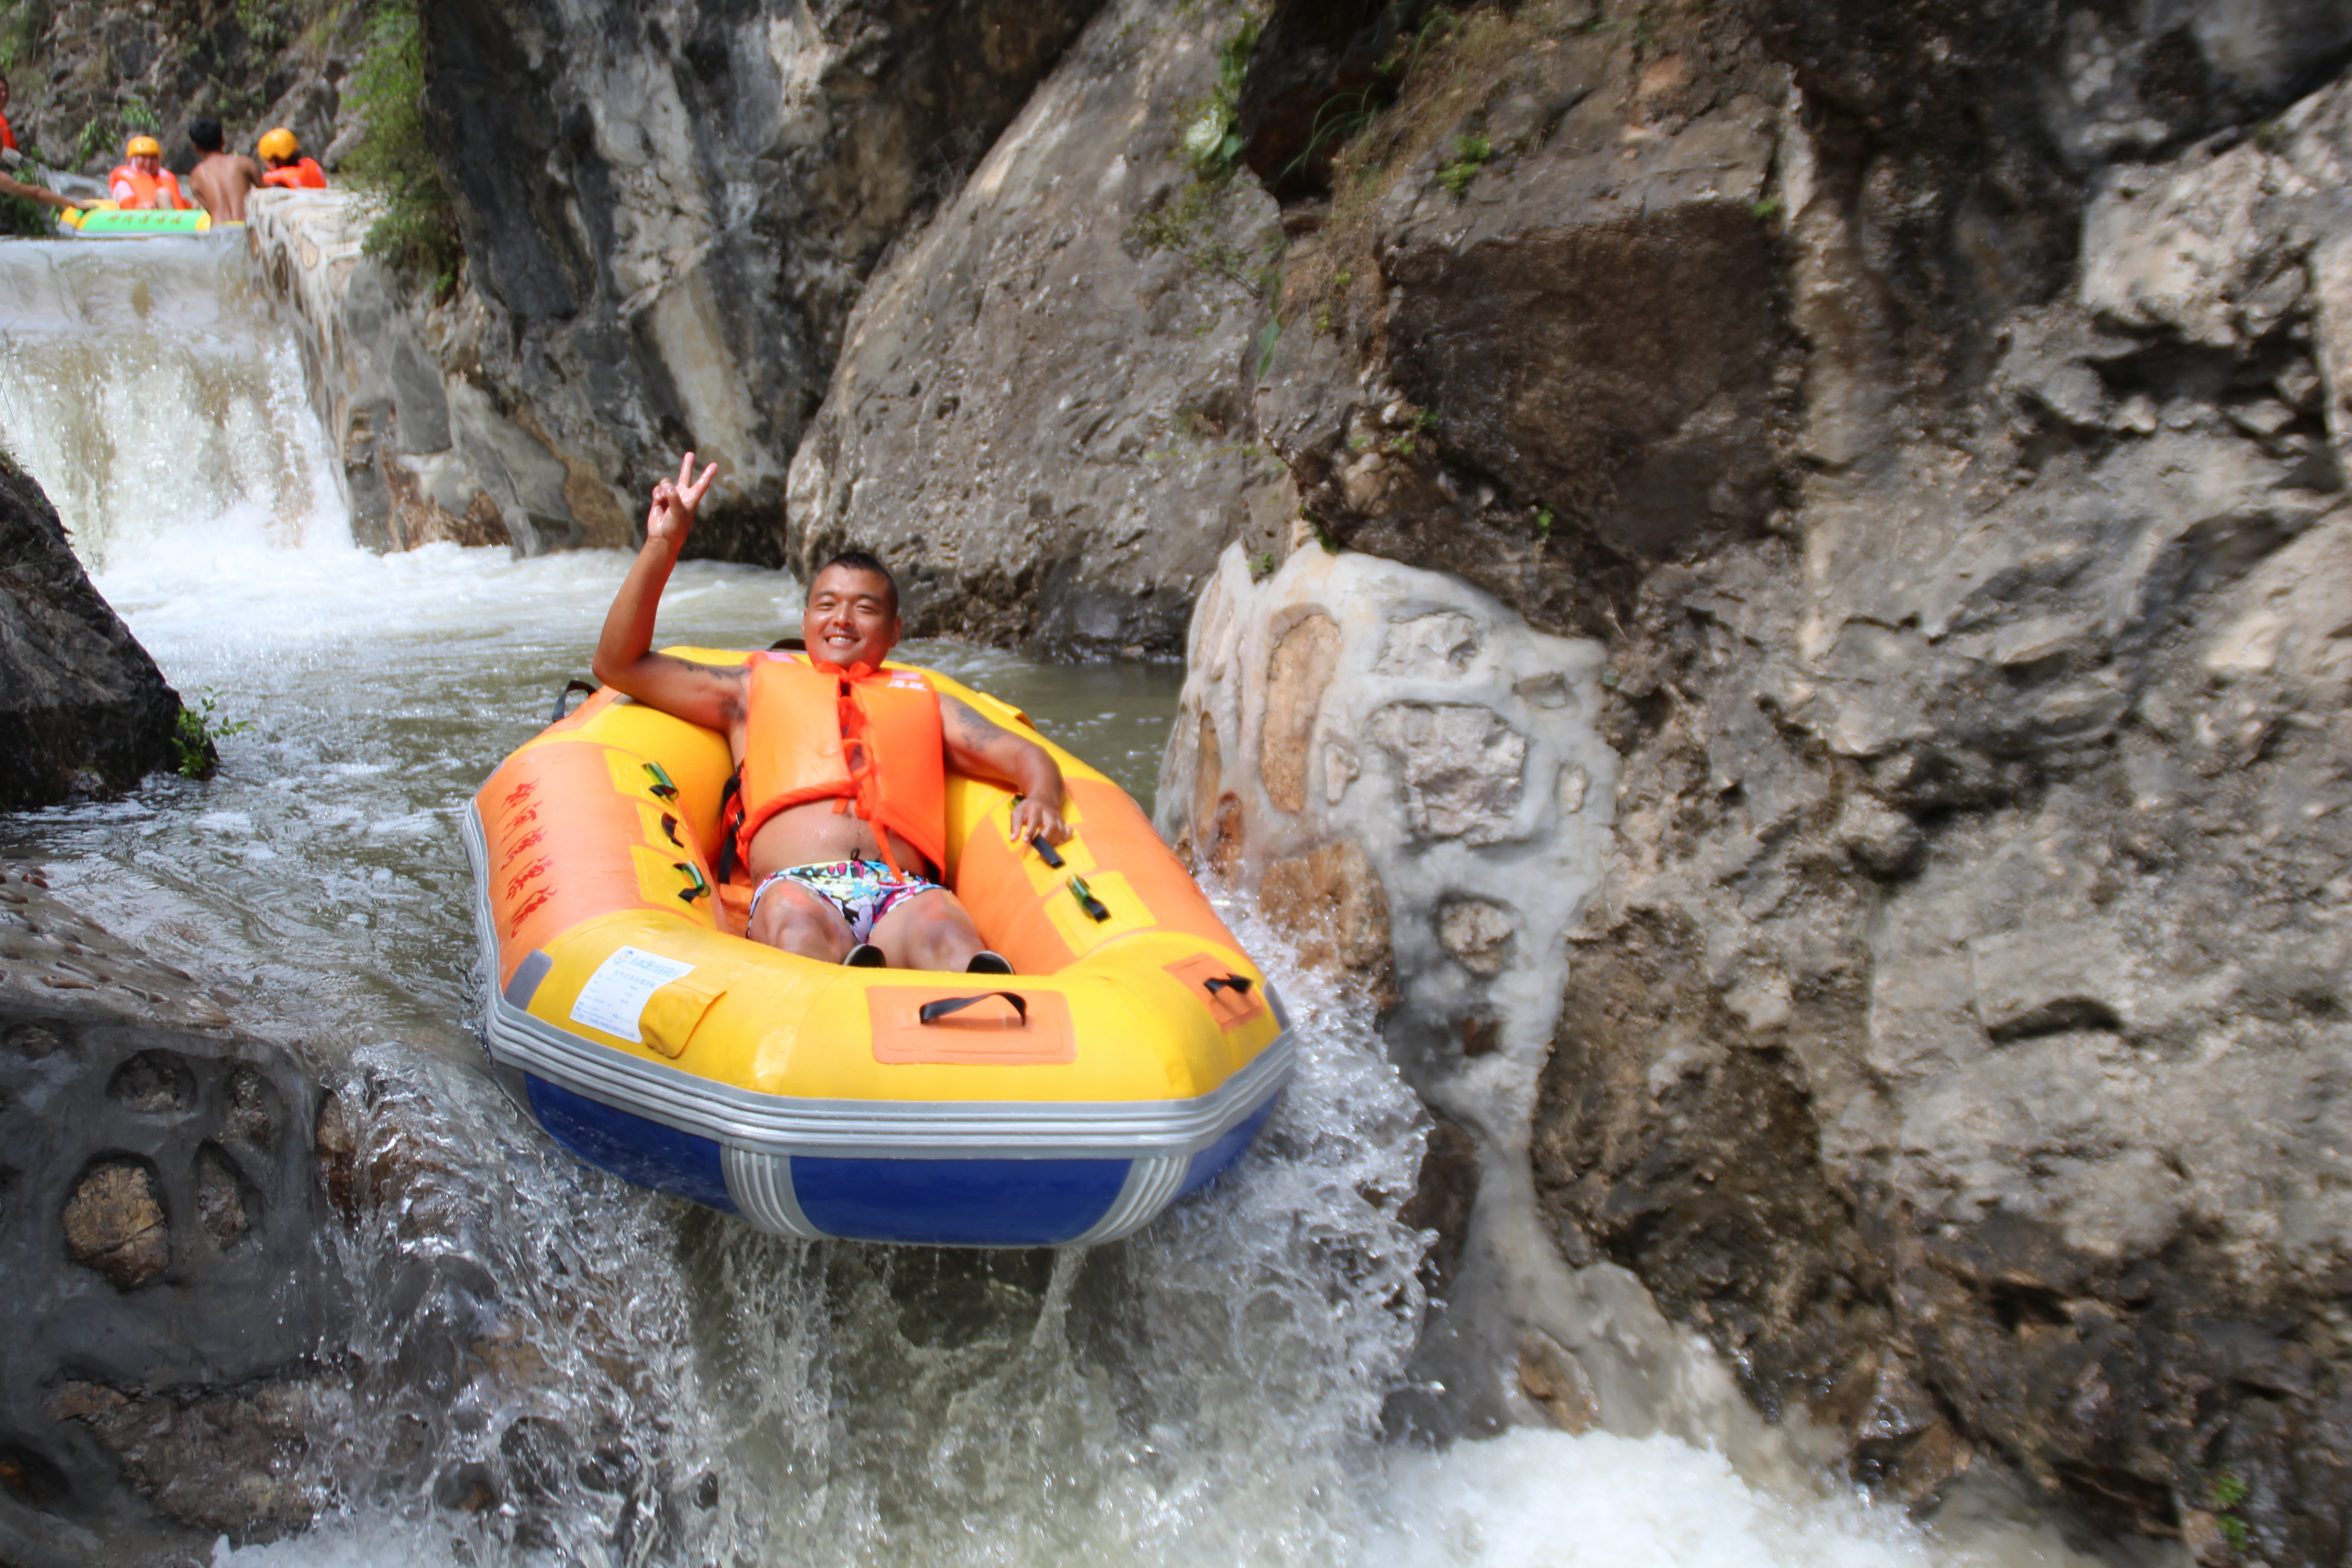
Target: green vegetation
{"points": [[196, 733], [1187, 222], [1266, 341], [1212, 136], [416, 228], [21, 22], [103, 137], [1543, 522], [2226, 1491], [1766, 210], [1262, 565], [1471, 153], [22, 214], [264, 23]]}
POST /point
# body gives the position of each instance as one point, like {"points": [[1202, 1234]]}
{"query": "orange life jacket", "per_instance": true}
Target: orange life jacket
{"points": [[159, 189], [305, 176], [869, 739]]}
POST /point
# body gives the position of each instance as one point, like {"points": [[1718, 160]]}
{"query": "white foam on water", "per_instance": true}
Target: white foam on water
{"points": [[160, 408]]}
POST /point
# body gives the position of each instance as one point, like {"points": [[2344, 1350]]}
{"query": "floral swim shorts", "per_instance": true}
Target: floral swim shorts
{"points": [[862, 891]]}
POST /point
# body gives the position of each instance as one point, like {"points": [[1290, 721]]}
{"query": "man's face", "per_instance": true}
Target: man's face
{"points": [[4, 95], [146, 163], [850, 618]]}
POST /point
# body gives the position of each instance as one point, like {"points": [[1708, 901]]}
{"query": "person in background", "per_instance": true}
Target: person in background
{"points": [[142, 181], [288, 167], [221, 180], [8, 154]]}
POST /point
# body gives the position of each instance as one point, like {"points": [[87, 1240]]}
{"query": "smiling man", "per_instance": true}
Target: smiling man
{"points": [[840, 817]]}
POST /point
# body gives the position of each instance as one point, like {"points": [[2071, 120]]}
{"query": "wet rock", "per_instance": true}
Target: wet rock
{"points": [[81, 705], [114, 1222], [1550, 1378], [1444, 1195], [148, 1213], [1333, 900], [670, 212], [1034, 413]]}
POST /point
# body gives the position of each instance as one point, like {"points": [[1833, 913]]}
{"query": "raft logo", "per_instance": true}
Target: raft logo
{"points": [[520, 845], [514, 925], [520, 792], [536, 868]]}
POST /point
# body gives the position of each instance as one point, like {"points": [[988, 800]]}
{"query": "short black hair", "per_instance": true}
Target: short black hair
{"points": [[206, 135], [864, 561]]}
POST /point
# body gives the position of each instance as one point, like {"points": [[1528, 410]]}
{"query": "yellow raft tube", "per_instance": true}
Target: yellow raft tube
{"points": [[1131, 1057]]}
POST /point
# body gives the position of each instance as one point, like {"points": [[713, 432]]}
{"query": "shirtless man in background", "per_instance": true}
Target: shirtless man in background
{"points": [[221, 180]]}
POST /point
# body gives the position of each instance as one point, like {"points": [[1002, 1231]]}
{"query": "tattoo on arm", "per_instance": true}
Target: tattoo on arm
{"points": [[974, 727]]}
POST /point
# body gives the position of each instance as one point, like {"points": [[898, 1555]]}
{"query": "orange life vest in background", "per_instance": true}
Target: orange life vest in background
{"points": [[868, 738], [302, 175], [159, 189]]}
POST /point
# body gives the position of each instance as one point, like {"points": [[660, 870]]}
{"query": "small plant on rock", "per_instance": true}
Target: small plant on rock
{"points": [[2227, 1491], [1472, 152], [416, 228], [194, 737], [1212, 138]]}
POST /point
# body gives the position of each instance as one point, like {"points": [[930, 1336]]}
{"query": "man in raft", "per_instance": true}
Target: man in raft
{"points": [[142, 181], [288, 167], [221, 179], [845, 835]]}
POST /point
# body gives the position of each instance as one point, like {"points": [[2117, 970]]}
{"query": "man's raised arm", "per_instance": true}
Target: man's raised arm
{"points": [[625, 660]]}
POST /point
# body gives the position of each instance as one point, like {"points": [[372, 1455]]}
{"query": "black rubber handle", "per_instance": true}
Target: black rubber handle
{"points": [[569, 687], [933, 1012], [1047, 853], [1239, 984]]}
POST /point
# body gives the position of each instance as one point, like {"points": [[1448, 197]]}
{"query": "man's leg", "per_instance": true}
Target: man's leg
{"points": [[792, 918], [932, 929]]}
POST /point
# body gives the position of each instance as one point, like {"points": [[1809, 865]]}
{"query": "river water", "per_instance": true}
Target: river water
{"points": [[644, 1381]]}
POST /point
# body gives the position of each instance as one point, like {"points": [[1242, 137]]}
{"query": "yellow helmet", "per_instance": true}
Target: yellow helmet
{"points": [[279, 144], [142, 146]]}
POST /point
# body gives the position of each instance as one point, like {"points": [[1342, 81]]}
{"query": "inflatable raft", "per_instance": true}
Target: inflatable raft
{"points": [[1131, 1057], [110, 222]]}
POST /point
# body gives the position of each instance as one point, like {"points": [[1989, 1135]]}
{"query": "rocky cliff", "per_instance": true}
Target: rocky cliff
{"points": [[669, 211], [1907, 447], [1036, 410]]}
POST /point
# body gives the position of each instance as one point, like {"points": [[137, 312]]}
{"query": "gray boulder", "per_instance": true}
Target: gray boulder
{"points": [[82, 707], [1036, 413]]}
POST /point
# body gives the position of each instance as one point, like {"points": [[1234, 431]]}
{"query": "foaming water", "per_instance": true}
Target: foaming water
{"points": [[556, 1367], [163, 412]]}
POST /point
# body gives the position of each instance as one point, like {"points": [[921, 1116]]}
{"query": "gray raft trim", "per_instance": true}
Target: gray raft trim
{"points": [[1170, 1130]]}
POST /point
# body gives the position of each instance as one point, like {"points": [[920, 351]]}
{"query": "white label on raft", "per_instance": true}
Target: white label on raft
{"points": [[614, 998]]}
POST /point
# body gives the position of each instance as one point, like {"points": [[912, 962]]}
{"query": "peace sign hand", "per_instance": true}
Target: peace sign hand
{"points": [[671, 516]]}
